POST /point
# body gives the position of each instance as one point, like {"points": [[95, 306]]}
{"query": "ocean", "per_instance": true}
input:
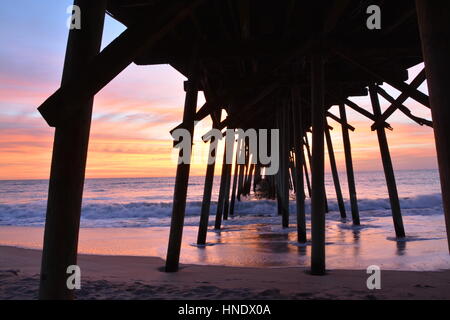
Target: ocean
{"points": [[131, 216]]}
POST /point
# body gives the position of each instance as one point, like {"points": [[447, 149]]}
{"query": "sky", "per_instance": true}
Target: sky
{"points": [[134, 113]]}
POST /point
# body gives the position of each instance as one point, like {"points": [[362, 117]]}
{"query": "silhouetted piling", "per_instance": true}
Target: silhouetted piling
{"points": [[298, 168], [387, 166], [182, 179], [235, 176], [349, 167], [261, 81], [434, 25], [221, 199], [207, 191], [334, 172], [318, 167], [68, 167]]}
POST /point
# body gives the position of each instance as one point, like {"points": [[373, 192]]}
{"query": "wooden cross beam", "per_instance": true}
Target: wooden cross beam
{"points": [[250, 81], [364, 112], [210, 107], [207, 109], [339, 120], [400, 86], [418, 80], [358, 109], [232, 121], [402, 108], [332, 116], [120, 53]]}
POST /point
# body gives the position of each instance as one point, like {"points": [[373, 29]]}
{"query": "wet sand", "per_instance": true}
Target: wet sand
{"points": [[263, 245], [128, 277]]}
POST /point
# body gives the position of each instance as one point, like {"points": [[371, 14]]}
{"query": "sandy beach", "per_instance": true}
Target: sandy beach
{"points": [[126, 277]]}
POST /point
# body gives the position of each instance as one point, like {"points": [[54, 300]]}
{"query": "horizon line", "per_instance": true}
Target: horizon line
{"points": [[148, 177]]}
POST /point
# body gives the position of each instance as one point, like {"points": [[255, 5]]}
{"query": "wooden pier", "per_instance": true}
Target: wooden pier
{"points": [[268, 65]]}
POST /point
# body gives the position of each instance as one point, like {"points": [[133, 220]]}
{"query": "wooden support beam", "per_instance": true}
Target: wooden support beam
{"points": [[237, 48], [317, 167], [242, 168], [308, 183], [233, 190], [182, 178], [221, 199], [349, 168], [207, 109], [298, 169], [248, 183], [308, 149], [80, 87], [388, 169], [402, 108], [283, 171], [335, 174], [226, 204], [246, 168], [364, 112], [240, 180], [338, 120], [292, 184], [232, 121], [253, 80], [400, 86], [417, 81], [69, 162], [434, 26], [257, 177], [207, 191]]}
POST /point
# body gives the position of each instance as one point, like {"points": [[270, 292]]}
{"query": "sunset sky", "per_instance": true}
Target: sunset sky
{"points": [[134, 113]]}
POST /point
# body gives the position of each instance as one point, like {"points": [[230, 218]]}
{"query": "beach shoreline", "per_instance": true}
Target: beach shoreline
{"points": [[131, 277]]}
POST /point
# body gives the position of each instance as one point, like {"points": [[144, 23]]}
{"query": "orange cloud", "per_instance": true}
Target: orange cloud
{"points": [[131, 122]]}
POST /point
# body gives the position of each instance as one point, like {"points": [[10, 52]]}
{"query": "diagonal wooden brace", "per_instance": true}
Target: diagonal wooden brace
{"points": [[120, 53], [400, 86], [402, 108], [421, 77]]}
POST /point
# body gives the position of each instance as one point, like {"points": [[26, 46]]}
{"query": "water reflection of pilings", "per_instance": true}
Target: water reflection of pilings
{"points": [[401, 247], [356, 238]]}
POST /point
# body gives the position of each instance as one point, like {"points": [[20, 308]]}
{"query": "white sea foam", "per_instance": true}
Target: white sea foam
{"points": [[147, 214], [146, 202]]}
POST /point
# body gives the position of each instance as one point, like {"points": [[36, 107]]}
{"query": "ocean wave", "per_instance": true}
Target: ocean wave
{"points": [[146, 214]]}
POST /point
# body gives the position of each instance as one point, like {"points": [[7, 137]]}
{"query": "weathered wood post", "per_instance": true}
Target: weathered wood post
{"points": [[387, 165], [334, 171], [226, 202], [233, 189], [69, 162], [220, 200], [434, 25], [248, 183], [207, 191], [317, 167], [298, 169], [283, 171], [349, 166], [182, 175], [257, 176], [308, 149], [308, 183], [292, 171], [243, 148]]}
